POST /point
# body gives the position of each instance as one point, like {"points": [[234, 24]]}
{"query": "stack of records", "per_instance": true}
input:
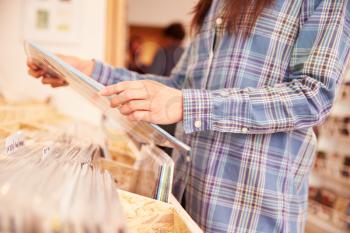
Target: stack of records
{"points": [[160, 176], [152, 169], [52, 185]]}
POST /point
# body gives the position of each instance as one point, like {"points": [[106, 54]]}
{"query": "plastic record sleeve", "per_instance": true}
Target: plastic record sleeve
{"points": [[88, 88]]}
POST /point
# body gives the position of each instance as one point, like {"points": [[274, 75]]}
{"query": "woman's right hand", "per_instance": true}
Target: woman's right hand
{"points": [[84, 66]]}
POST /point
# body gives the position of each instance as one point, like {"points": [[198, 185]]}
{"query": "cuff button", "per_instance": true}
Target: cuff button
{"points": [[224, 93], [197, 124], [245, 130]]}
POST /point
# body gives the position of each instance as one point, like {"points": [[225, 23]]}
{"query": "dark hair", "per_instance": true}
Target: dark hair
{"points": [[175, 31], [239, 16]]}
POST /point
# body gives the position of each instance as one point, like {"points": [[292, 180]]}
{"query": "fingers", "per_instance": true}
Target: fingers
{"points": [[34, 70], [36, 73], [125, 92], [59, 85], [54, 82], [140, 116], [122, 86], [135, 105], [32, 65], [46, 78], [128, 96]]}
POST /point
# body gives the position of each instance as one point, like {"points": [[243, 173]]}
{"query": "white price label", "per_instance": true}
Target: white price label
{"points": [[46, 151], [14, 142]]}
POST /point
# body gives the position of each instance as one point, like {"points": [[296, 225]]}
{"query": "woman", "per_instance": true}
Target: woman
{"points": [[257, 76]]}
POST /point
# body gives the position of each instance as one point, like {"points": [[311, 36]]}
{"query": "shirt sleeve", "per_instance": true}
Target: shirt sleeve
{"points": [[107, 75], [318, 61]]}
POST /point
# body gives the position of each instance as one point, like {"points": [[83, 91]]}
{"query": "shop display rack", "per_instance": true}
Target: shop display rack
{"points": [[329, 194]]}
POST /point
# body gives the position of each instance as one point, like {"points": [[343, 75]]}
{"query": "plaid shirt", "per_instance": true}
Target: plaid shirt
{"points": [[249, 108]]}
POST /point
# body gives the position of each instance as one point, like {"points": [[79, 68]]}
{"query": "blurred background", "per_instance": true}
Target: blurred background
{"points": [[128, 33], [141, 35]]}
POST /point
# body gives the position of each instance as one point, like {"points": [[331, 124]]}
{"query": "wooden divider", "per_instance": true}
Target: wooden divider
{"points": [[116, 32]]}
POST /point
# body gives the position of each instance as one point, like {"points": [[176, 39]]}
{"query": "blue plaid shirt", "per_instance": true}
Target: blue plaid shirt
{"points": [[249, 108]]}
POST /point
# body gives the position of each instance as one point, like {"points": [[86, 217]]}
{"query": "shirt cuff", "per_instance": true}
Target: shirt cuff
{"points": [[223, 110], [197, 110], [102, 73]]}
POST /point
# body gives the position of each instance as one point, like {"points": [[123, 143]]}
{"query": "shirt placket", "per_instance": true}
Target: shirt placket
{"points": [[218, 30]]}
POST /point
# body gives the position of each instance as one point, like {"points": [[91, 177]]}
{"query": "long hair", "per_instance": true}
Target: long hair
{"points": [[239, 16]]}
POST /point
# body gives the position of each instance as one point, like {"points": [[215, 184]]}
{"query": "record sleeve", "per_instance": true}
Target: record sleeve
{"points": [[87, 87]]}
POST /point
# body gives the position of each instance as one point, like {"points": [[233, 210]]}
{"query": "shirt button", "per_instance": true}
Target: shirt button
{"points": [[197, 124], [219, 21], [245, 130]]}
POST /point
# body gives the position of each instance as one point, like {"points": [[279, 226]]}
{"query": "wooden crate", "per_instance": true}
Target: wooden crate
{"points": [[145, 215]]}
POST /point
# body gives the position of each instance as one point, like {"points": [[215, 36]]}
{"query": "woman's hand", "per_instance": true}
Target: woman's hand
{"points": [[147, 100], [84, 66]]}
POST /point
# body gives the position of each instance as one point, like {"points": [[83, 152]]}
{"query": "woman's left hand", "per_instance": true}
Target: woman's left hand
{"points": [[146, 100]]}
